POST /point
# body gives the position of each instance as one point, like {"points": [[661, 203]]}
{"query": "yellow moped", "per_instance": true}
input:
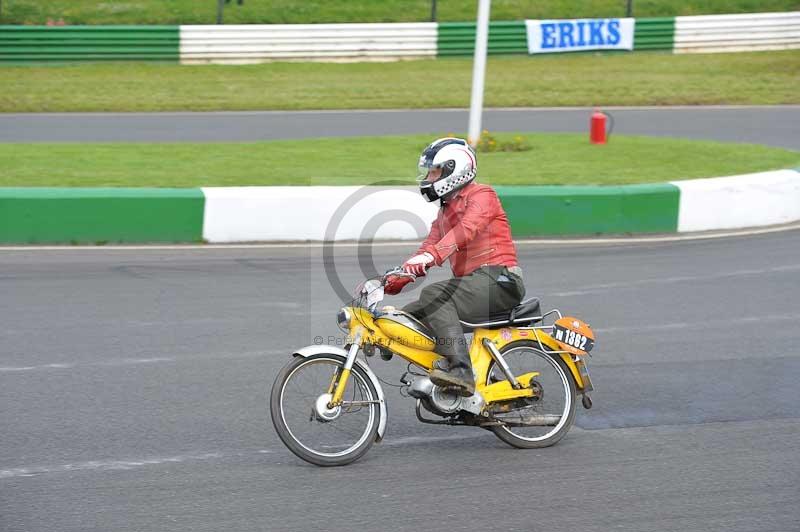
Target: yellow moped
{"points": [[328, 406]]}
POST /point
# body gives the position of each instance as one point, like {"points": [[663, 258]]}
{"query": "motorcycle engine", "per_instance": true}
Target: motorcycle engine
{"points": [[434, 398]]}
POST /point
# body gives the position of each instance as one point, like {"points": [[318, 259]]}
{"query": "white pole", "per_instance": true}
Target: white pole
{"points": [[478, 72]]}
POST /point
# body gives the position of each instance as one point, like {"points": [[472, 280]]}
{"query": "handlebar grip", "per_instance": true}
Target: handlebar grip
{"points": [[398, 272]]}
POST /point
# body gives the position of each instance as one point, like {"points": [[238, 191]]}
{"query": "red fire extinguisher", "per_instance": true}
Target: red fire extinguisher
{"points": [[597, 127]]}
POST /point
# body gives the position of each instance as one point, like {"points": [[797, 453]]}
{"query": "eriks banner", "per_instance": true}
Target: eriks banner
{"points": [[547, 36]]}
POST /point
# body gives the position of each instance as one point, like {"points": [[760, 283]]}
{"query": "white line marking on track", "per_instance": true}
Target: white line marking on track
{"points": [[122, 362], [702, 324], [43, 366], [142, 361], [620, 240], [669, 280], [103, 465], [121, 465]]}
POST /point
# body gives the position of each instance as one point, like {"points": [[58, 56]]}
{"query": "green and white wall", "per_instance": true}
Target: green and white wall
{"points": [[250, 214], [254, 43], [35, 44]]}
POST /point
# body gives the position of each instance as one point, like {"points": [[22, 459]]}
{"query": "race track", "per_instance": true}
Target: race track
{"points": [[133, 396], [771, 125]]}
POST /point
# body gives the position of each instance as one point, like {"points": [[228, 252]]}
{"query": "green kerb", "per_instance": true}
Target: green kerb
{"points": [[99, 215], [563, 210]]}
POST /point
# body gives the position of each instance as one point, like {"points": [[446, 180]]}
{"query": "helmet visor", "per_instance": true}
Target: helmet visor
{"points": [[429, 172]]}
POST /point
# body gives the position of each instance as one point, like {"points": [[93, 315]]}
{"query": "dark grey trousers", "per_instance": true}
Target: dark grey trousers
{"points": [[487, 291]]}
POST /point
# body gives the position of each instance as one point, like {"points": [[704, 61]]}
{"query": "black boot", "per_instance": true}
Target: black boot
{"points": [[459, 376]]}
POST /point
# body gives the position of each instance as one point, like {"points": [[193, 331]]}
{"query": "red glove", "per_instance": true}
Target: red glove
{"points": [[418, 264], [395, 283]]}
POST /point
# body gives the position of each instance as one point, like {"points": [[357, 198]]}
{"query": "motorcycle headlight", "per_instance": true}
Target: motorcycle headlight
{"points": [[343, 319]]}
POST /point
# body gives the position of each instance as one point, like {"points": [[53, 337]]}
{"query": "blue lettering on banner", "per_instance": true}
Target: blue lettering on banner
{"points": [[565, 39], [581, 39], [595, 32], [613, 32], [548, 36]]}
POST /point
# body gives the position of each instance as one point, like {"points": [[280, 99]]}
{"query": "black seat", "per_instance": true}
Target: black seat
{"points": [[527, 312]]}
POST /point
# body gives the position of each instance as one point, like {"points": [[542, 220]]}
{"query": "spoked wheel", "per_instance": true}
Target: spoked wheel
{"points": [[536, 423], [306, 423]]}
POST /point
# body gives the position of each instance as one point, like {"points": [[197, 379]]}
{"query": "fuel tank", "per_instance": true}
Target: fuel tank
{"points": [[406, 329]]}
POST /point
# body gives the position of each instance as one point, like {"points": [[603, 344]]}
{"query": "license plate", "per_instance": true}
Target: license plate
{"points": [[579, 342]]}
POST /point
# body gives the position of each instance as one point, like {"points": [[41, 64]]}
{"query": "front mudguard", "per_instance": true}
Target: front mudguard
{"points": [[311, 350]]}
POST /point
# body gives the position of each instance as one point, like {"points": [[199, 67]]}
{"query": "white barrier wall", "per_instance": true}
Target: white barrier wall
{"points": [[766, 198], [737, 33], [249, 214], [254, 43]]}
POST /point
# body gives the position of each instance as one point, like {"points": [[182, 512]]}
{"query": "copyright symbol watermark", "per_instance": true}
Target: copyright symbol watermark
{"points": [[371, 208], [361, 215], [319, 340]]}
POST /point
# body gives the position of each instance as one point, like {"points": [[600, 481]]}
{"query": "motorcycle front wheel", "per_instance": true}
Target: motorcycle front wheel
{"points": [[552, 415], [310, 429]]}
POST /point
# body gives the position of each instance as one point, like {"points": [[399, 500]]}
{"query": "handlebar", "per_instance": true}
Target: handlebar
{"points": [[369, 286]]}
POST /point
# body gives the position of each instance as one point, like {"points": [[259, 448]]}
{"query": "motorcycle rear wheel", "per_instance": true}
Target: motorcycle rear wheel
{"points": [[343, 438], [559, 395]]}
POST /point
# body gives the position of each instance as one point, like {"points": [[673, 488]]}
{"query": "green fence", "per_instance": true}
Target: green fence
{"points": [[31, 44], [654, 33], [458, 38]]}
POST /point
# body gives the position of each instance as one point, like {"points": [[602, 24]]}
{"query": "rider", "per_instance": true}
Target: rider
{"points": [[472, 231]]}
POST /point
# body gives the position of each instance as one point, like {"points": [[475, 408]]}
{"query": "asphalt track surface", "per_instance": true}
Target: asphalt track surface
{"points": [[134, 383], [771, 125]]}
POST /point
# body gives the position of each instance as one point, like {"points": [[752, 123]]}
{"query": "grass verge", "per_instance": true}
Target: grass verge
{"points": [[585, 79], [311, 11], [589, 79], [553, 159]]}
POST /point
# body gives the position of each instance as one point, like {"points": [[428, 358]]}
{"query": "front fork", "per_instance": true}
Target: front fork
{"points": [[338, 385]]}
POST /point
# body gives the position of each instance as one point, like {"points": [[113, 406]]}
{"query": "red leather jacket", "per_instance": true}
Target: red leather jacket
{"points": [[472, 231]]}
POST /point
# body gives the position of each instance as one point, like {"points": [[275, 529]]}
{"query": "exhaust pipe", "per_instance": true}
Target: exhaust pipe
{"points": [[534, 420]]}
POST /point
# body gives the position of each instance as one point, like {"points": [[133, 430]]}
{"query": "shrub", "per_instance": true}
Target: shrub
{"points": [[489, 143]]}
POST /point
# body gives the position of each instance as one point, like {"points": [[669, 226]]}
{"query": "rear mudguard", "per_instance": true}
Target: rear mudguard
{"points": [[338, 352], [502, 337]]}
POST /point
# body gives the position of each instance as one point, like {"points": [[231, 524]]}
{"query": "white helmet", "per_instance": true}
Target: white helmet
{"points": [[457, 162]]}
